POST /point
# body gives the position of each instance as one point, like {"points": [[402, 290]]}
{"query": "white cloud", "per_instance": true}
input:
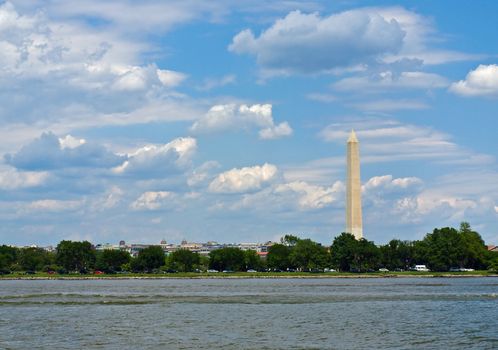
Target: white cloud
{"points": [[152, 200], [50, 152], [387, 182], [55, 205], [496, 209], [339, 40], [389, 80], [311, 196], [483, 81], [170, 78], [60, 74], [110, 199], [390, 140], [12, 179], [70, 142], [244, 180], [211, 83], [391, 105], [153, 160], [321, 97], [203, 173], [420, 34], [276, 131], [236, 117]]}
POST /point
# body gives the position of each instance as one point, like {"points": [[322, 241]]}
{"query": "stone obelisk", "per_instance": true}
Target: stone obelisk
{"points": [[354, 224]]}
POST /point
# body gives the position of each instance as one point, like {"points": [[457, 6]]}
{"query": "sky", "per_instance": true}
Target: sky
{"points": [[227, 120]]}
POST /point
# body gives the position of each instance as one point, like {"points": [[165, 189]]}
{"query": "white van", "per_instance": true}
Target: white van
{"points": [[421, 268]]}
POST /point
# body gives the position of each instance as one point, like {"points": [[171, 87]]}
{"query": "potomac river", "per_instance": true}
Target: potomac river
{"points": [[390, 313]]}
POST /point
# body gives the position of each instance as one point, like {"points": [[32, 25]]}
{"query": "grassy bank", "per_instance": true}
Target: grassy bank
{"points": [[41, 275]]}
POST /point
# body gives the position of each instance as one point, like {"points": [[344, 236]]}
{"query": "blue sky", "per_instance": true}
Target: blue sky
{"points": [[227, 121]]}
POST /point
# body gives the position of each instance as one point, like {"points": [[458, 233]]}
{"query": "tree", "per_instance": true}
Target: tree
{"points": [[397, 254], [349, 254], [252, 260], [183, 260], [446, 248], [343, 251], [34, 259], [112, 260], [308, 255], [367, 256], [475, 250], [229, 258], [278, 257], [8, 257], [75, 256], [148, 259], [289, 240]]}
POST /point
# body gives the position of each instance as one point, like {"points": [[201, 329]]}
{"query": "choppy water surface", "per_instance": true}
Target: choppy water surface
{"points": [[250, 314]]}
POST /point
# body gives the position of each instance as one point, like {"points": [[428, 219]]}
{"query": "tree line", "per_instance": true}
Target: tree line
{"points": [[440, 250]]}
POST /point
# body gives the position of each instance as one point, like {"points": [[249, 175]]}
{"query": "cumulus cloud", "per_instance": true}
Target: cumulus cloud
{"points": [[62, 74], [153, 160], [109, 200], [244, 180], [203, 173], [482, 81], [170, 78], [310, 43], [12, 179], [50, 152], [387, 182], [152, 200], [310, 196], [236, 117]]}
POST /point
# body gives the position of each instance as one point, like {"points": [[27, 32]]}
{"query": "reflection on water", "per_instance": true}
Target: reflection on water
{"points": [[250, 314]]}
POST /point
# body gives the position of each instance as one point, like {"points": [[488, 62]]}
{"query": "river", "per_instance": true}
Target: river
{"points": [[390, 313]]}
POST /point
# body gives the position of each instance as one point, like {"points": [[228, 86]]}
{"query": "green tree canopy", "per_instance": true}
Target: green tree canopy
{"points": [[278, 257], [111, 260], [183, 260], [8, 256], [447, 247], [34, 259], [75, 256], [349, 254], [307, 255], [252, 260], [148, 259], [397, 255], [229, 258]]}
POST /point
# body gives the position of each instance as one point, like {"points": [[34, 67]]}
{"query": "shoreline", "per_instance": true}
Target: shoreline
{"points": [[172, 277]]}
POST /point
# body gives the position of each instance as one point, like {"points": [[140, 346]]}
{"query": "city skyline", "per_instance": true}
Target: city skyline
{"points": [[227, 121]]}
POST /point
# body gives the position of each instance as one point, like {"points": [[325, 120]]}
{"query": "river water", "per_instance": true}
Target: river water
{"points": [[391, 313]]}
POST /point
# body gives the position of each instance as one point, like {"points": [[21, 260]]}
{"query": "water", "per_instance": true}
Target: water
{"points": [[411, 313]]}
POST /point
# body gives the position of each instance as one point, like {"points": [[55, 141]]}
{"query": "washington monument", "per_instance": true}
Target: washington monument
{"points": [[354, 223]]}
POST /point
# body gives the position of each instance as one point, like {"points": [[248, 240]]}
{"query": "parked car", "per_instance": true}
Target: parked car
{"points": [[98, 272], [251, 270], [212, 271], [383, 269], [328, 270], [460, 269], [420, 268]]}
